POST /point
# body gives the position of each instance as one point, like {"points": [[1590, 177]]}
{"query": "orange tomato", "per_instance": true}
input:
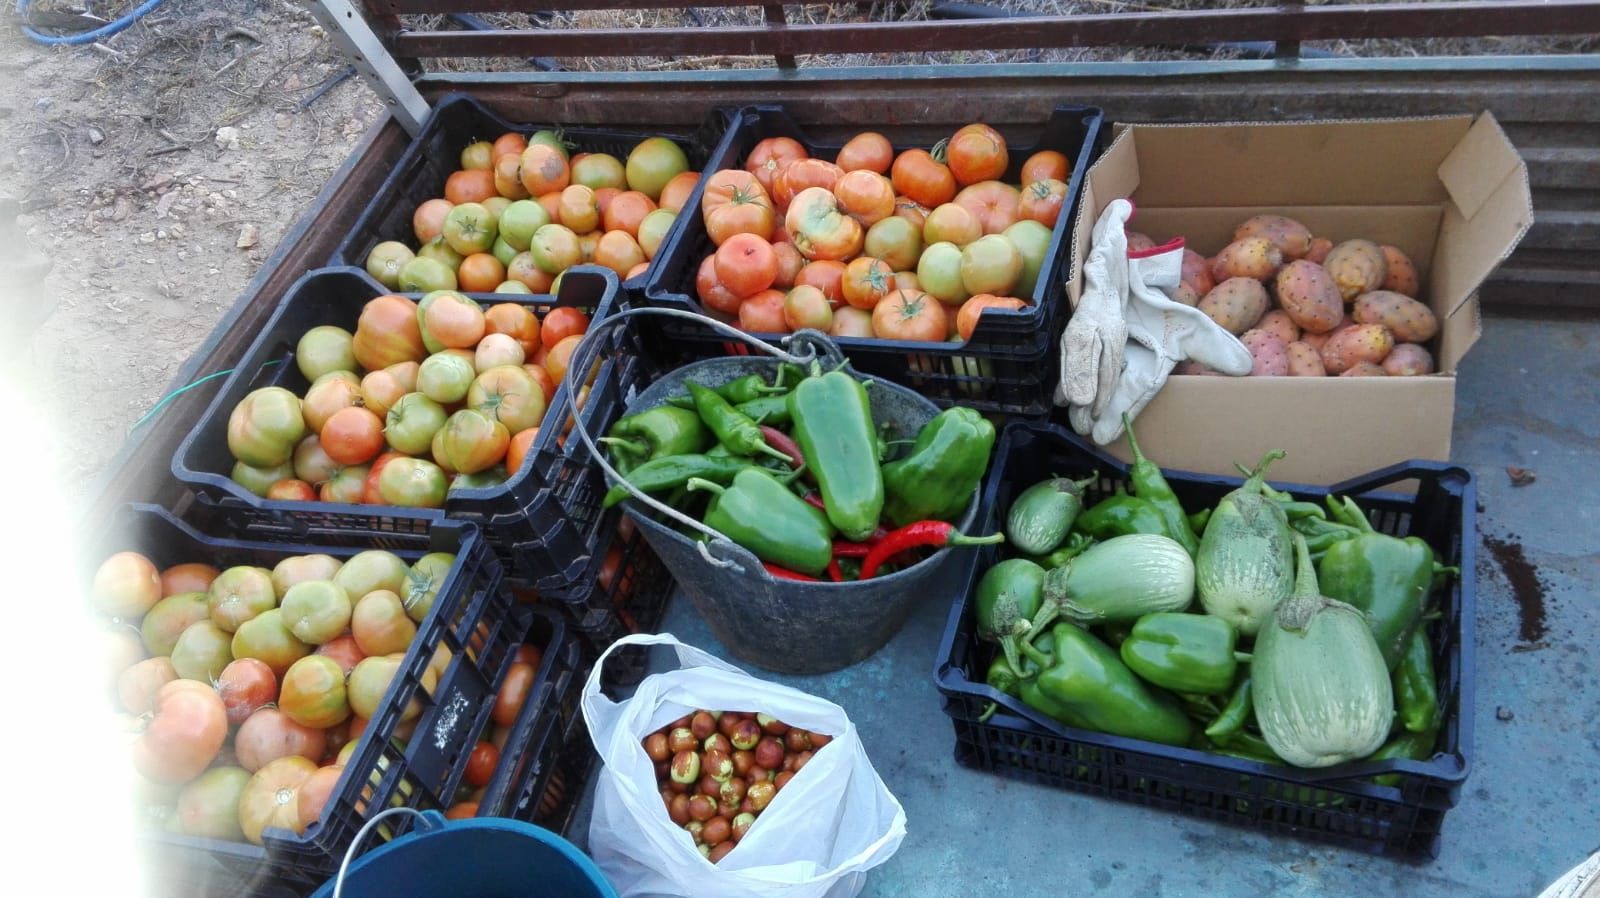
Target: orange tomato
{"points": [[190, 576], [520, 443], [967, 316], [676, 193], [563, 322], [734, 202], [866, 282], [508, 177], [771, 156], [524, 269], [804, 307], [910, 315], [625, 211], [552, 204], [1045, 165], [509, 142], [618, 251], [866, 196], [473, 185], [428, 221], [1042, 201], [763, 313], [826, 275], [976, 153], [352, 436], [579, 210], [992, 203], [560, 356], [516, 322], [544, 170], [542, 378], [798, 176], [480, 273], [636, 271], [454, 320], [867, 151], [924, 179], [911, 210]]}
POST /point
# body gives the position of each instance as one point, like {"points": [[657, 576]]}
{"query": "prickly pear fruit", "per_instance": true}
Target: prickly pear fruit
{"points": [[1408, 360], [1195, 368], [1402, 276], [1278, 323], [1357, 267], [1364, 369], [1320, 247], [1316, 340], [1197, 273], [1292, 238], [1309, 296], [1351, 346], [1185, 294], [1409, 320], [1252, 257], [1268, 355], [1138, 242], [1236, 304], [1304, 360]]}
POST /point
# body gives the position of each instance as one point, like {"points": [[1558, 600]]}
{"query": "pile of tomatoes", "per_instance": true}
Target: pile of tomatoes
{"points": [[908, 246], [520, 211], [718, 772], [246, 690], [452, 395]]}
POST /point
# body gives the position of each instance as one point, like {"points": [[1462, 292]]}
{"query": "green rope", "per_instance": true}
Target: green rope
{"points": [[156, 409]]}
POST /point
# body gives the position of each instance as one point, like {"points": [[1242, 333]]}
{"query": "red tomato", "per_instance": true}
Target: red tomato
{"points": [[480, 765], [925, 180], [803, 174], [746, 264], [561, 323], [246, 685], [513, 694], [269, 734], [1045, 165], [190, 577], [521, 442], [387, 333], [763, 313], [866, 196], [867, 151], [967, 316], [976, 153], [676, 192], [826, 275], [465, 810], [771, 156], [345, 650], [1042, 200], [185, 735], [469, 186], [352, 436], [866, 282], [428, 221], [789, 264], [712, 292], [291, 490], [734, 202]]}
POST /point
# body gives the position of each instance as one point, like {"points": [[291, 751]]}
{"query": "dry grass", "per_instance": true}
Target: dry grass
{"points": [[917, 10]]}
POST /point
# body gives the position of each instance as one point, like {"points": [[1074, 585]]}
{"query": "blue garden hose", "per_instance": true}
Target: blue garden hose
{"points": [[85, 37]]}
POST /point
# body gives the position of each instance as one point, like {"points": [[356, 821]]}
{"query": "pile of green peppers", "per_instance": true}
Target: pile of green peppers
{"points": [[1183, 678], [797, 472]]}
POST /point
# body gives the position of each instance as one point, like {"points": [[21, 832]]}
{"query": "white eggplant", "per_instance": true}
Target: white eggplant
{"points": [[1245, 565], [1121, 579]]}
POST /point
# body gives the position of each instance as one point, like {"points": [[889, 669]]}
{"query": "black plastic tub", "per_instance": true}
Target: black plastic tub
{"points": [[1341, 804], [1010, 363], [458, 120], [473, 617]]}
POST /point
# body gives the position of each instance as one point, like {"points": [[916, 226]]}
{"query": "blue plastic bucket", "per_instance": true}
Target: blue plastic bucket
{"points": [[488, 857]]}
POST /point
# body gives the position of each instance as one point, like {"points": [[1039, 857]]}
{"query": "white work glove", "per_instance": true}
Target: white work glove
{"points": [[1161, 334], [1091, 347]]}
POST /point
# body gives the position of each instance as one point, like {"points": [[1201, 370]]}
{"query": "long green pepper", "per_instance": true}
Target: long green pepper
{"points": [[665, 474], [1151, 486], [733, 428], [1416, 693], [832, 423]]}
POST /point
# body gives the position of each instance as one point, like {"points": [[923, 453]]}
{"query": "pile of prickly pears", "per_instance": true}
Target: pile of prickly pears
{"points": [[1307, 307]]}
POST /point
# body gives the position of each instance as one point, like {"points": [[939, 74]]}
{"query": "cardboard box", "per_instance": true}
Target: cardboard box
{"points": [[1451, 192]]}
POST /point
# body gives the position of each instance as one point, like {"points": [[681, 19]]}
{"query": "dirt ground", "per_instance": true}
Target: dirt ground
{"points": [[157, 179]]}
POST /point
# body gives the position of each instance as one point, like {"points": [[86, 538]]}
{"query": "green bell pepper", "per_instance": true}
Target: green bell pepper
{"points": [[657, 433], [1388, 578], [1151, 486], [1088, 682], [832, 423], [1120, 515], [1190, 653], [758, 512], [1416, 693], [937, 479]]}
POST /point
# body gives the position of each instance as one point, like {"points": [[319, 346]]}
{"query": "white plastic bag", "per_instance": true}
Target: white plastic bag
{"points": [[831, 824]]}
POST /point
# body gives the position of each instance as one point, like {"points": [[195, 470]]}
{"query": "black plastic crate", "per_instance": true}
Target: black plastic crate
{"points": [[1010, 363], [546, 761], [473, 616], [1336, 804], [458, 120], [542, 521]]}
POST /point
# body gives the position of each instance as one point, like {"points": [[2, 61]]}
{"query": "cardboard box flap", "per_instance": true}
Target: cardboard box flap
{"points": [[1115, 174], [1297, 163], [1491, 209]]}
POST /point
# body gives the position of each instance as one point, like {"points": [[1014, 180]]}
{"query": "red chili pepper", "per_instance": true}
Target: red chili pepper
{"points": [[783, 573], [846, 549], [784, 443], [922, 533], [815, 501], [835, 571]]}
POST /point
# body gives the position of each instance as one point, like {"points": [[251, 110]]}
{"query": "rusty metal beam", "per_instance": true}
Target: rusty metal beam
{"points": [[441, 7], [1358, 22]]}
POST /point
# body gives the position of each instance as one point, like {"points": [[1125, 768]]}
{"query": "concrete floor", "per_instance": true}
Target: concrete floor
{"points": [[1529, 811]]}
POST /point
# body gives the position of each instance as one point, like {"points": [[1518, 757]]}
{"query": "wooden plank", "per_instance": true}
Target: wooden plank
{"points": [[1354, 22]]}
